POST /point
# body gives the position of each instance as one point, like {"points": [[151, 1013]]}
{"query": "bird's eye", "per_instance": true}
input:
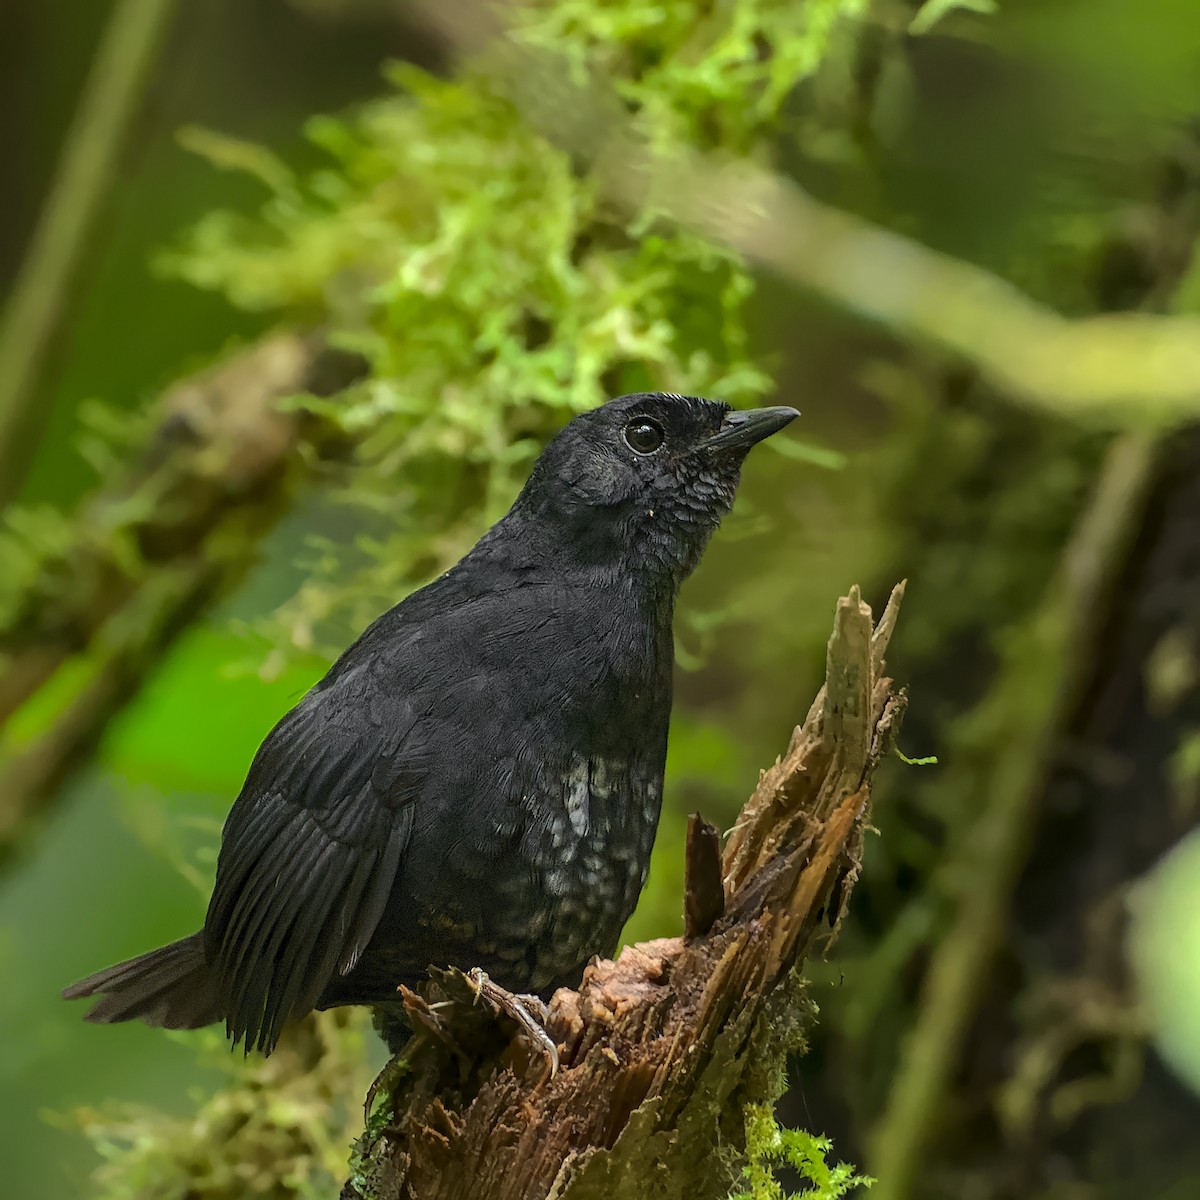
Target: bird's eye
{"points": [[643, 435]]}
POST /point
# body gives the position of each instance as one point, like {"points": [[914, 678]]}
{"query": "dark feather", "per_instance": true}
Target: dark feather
{"points": [[170, 987], [307, 865]]}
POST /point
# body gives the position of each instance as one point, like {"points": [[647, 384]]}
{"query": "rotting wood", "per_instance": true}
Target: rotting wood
{"points": [[661, 1050], [703, 888]]}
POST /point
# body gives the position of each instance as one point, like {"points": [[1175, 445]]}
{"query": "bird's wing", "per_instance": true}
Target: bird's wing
{"points": [[308, 859]]}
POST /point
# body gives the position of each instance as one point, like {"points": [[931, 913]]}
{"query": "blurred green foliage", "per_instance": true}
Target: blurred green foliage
{"points": [[280, 1129], [494, 294], [91, 889], [1164, 950], [490, 289]]}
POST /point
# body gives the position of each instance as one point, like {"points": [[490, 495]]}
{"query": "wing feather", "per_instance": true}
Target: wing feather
{"points": [[308, 860]]}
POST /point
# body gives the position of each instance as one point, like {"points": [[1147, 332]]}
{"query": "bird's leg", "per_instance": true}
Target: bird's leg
{"points": [[529, 1012], [397, 1031]]}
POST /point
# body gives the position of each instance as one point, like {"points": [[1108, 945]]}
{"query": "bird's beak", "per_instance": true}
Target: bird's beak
{"points": [[742, 428]]}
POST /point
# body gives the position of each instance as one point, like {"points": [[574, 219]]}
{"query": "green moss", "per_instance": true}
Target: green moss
{"points": [[769, 1146], [491, 290], [281, 1128]]}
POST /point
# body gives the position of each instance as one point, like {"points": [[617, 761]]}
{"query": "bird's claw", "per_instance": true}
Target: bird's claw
{"points": [[530, 1013], [385, 1081], [476, 977]]}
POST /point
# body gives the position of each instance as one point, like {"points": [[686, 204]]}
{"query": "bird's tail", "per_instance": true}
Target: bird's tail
{"points": [[172, 987]]}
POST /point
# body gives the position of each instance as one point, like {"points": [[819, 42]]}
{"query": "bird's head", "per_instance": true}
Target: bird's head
{"points": [[645, 479]]}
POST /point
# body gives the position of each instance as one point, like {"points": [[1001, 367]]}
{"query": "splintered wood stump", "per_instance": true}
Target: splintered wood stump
{"points": [[660, 1051]]}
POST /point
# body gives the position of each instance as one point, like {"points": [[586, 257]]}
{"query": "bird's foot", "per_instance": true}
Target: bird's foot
{"points": [[530, 1013]]}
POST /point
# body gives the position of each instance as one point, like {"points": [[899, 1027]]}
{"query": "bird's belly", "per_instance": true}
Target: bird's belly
{"points": [[583, 887], [533, 886], [569, 879]]}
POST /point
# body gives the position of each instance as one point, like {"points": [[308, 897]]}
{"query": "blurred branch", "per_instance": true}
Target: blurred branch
{"points": [[662, 1052], [1128, 369], [149, 553], [33, 775], [106, 108], [1021, 722], [1131, 369]]}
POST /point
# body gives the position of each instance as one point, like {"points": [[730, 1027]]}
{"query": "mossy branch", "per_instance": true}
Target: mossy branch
{"points": [[148, 553], [662, 1051]]}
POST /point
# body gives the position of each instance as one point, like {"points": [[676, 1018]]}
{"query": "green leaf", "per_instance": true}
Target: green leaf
{"points": [[808, 452], [932, 11], [235, 154], [929, 761]]}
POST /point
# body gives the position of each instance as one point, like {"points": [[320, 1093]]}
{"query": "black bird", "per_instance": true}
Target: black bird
{"points": [[476, 782]]}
